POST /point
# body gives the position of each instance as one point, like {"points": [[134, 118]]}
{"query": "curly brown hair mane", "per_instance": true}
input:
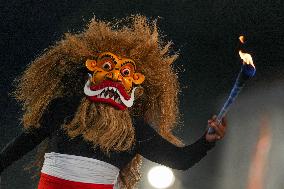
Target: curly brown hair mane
{"points": [[135, 37]]}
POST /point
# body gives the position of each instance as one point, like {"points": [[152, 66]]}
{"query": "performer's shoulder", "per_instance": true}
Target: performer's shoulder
{"points": [[66, 102], [143, 129], [139, 123]]}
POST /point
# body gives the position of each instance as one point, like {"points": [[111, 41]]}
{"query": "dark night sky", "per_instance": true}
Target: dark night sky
{"points": [[204, 32]]}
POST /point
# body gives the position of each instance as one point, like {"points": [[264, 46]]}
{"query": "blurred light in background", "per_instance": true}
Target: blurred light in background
{"points": [[161, 177]]}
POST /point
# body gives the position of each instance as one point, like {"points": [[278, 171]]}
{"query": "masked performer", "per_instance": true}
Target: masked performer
{"points": [[99, 126]]}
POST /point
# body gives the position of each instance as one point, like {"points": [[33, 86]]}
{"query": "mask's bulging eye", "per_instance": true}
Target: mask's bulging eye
{"points": [[125, 72], [107, 66]]}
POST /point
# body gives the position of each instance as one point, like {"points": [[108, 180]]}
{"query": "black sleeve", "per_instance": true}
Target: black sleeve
{"points": [[157, 149], [52, 118], [18, 147]]}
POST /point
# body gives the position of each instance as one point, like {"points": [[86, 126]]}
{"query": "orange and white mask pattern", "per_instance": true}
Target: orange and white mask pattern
{"points": [[113, 80]]}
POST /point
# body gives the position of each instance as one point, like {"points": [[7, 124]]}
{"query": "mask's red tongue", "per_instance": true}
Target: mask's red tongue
{"points": [[108, 83], [111, 102]]}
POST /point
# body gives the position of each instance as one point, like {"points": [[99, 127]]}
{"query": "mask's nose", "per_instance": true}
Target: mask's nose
{"points": [[114, 75]]}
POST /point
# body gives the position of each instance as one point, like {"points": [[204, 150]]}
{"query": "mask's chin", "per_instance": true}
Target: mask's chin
{"points": [[109, 92]]}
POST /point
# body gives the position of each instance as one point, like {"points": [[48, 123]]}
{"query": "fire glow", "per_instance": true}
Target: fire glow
{"points": [[247, 59], [242, 39]]}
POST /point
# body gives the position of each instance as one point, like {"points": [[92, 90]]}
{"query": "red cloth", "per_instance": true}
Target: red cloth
{"points": [[51, 182]]}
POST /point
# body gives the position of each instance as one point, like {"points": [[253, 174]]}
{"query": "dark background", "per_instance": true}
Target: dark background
{"points": [[204, 32]]}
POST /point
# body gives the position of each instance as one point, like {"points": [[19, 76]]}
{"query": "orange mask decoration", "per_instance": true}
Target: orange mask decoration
{"points": [[113, 80]]}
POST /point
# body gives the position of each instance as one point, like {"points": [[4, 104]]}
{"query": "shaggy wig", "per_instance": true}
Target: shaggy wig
{"points": [[58, 72]]}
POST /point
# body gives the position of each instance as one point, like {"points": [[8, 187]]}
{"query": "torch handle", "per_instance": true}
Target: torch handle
{"points": [[239, 83]]}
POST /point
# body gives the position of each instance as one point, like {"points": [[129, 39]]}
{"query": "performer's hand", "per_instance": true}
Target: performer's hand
{"points": [[220, 129]]}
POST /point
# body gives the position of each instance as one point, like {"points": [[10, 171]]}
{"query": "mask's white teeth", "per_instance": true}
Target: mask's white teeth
{"points": [[117, 100], [104, 92], [129, 102], [101, 94], [89, 92]]}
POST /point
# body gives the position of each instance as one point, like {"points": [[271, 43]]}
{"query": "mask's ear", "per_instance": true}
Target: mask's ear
{"points": [[138, 78], [91, 64]]}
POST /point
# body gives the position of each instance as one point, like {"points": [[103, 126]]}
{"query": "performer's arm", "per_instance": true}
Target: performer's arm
{"points": [[52, 118], [19, 146], [155, 148]]}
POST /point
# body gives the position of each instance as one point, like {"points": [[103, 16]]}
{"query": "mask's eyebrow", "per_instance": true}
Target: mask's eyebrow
{"points": [[109, 56], [129, 62]]}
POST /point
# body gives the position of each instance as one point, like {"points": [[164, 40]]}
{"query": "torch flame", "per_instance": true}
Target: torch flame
{"points": [[247, 59], [242, 39]]}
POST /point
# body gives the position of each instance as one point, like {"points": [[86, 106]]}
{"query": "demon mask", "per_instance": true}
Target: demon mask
{"points": [[113, 80]]}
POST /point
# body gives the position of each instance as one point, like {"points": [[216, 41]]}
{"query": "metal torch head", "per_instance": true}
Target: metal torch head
{"points": [[248, 70]]}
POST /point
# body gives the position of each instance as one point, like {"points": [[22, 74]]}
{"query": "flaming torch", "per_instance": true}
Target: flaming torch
{"points": [[247, 71]]}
